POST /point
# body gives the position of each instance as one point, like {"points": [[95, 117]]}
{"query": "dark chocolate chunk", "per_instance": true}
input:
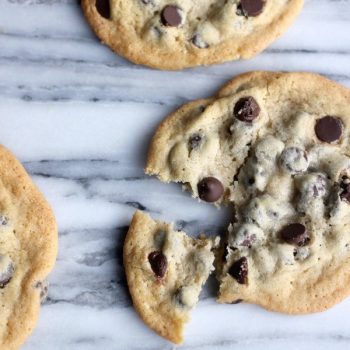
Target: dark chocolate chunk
{"points": [[295, 234], [103, 8], [246, 109], [210, 189], [159, 263], [239, 270], [329, 129], [171, 16], [251, 8]]}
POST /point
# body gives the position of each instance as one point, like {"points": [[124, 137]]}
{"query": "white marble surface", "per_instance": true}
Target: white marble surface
{"points": [[80, 119]]}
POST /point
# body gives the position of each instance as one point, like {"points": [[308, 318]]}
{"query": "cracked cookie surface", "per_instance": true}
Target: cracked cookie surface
{"points": [[165, 270], [28, 249], [183, 33], [277, 145]]}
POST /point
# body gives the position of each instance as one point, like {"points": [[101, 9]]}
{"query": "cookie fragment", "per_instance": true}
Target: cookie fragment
{"points": [[165, 304]]}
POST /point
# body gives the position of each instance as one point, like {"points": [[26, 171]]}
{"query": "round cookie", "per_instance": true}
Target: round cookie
{"points": [[28, 249], [278, 144], [184, 33], [165, 271]]}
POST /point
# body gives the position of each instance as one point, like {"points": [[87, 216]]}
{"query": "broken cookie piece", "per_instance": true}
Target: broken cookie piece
{"points": [[282, 161], [165, 270]]}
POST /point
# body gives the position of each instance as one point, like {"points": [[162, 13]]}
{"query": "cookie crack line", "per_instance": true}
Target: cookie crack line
{"points": [[186, 34], [275, 146]]}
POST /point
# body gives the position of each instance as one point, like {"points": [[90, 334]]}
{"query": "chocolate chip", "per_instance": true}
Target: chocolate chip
{"points": [[237, 301], [171, 16], [345, 192], [294, 160], [295, 234], [158, 263], [328, 129], [103, 8], [239, 270], [3, 220], [251, 8], [210, 189], [195, 141], [246, 109], [7, 270], [44, 290], [199, 42], [225, 253]]}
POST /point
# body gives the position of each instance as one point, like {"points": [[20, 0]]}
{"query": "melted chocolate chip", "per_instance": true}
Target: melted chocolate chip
{"points": [[3, 220], [210, 189], [345, 192], [239, 270], [194, 142], [249, 241], [171, 16], [103, 8], [7, 271], [199, 42], [158, 262], [319, 187], [328, 129], [246, 109], [251, 8], [295, 234], [225, 253]]}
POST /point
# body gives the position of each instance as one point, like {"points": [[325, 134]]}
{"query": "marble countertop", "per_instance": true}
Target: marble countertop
{"points": [[80, 119]]}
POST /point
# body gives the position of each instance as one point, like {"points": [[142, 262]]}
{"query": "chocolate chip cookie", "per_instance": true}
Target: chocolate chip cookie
{"points": [[184, 33], [28, 249], [276, 147], [165, 270]]}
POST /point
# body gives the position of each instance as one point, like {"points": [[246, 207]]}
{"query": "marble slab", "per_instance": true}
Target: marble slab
{"points": [[80, 119]]}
